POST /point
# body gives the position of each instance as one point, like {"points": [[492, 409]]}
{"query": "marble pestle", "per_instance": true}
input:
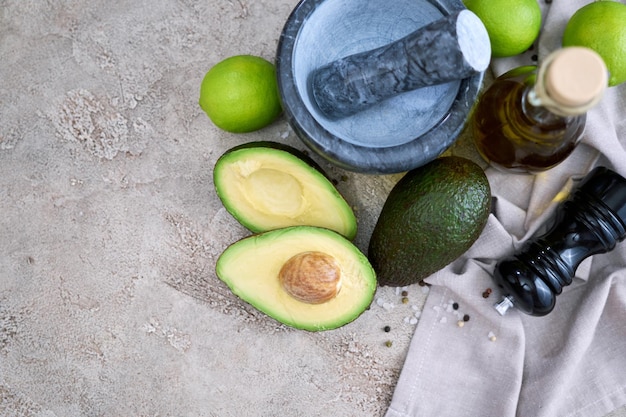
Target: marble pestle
{"points": [[449, 49]]}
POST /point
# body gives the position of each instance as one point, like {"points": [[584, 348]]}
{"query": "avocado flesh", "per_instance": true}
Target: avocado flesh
{"points": [[430, 218], [251, 267], [268, 187]]}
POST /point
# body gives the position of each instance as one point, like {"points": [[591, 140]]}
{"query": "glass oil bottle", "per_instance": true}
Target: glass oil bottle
{"points": [[531, 118]]}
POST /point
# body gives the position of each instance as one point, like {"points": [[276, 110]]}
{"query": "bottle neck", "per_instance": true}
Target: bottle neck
{"points": [[539, 99], [540, 113], [569, 82]]}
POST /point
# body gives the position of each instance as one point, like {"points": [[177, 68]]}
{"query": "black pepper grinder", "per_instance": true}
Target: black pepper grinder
{"points": [[591, 221]]}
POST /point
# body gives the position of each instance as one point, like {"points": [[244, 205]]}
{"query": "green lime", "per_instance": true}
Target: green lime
{"points": [[512, 25], [240, 94], [601, 26]]}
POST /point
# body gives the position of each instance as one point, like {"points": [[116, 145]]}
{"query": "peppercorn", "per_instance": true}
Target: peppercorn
{"points": [[388, 343], [387, 329], [466, 317], [455, 306], [405, 300], [405, 293]]}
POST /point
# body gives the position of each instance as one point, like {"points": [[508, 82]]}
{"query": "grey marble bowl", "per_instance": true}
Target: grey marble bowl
{"points": [[396, 135]]}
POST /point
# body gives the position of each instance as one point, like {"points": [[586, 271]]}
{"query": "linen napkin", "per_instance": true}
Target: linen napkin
{"points": [[571, 362]]}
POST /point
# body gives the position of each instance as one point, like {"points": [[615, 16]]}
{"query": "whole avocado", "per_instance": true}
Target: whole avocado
{"points": [[430, 218]]}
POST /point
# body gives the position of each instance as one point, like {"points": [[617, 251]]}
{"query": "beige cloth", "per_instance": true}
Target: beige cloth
{"points": [[571, 362]]}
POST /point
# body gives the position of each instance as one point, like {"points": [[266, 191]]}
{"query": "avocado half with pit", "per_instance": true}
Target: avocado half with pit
{"points": [[267, 186], [306, 277]]}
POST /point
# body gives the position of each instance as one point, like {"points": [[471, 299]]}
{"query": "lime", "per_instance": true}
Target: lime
{"points": [[240, 94], [512, 25], [601, 26]]}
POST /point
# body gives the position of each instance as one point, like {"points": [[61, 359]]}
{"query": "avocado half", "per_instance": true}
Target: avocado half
{"points": [[267, 186], [306, 277]]}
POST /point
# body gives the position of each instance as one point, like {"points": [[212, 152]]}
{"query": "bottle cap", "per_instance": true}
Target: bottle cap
{"points": [[571, 80]]}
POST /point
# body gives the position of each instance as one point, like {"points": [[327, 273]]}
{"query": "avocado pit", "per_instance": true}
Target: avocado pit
{"points": [[311, 277]]}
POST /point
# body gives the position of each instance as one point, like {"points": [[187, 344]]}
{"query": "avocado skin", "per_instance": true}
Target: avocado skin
{"points": [[281, 147], [430, 218]]}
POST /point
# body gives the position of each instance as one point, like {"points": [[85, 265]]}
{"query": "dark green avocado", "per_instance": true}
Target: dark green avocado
{"points": [[430, 218]]}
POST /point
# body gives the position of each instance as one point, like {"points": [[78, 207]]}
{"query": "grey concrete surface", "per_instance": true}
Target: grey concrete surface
{"points": [[110, 228]]}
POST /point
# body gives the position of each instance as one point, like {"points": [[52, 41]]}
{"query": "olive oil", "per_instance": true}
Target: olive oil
{"points": [[527, 121]]}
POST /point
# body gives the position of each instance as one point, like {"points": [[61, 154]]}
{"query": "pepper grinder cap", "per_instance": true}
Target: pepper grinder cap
{"points": [[609, 187], [571, 80]]}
